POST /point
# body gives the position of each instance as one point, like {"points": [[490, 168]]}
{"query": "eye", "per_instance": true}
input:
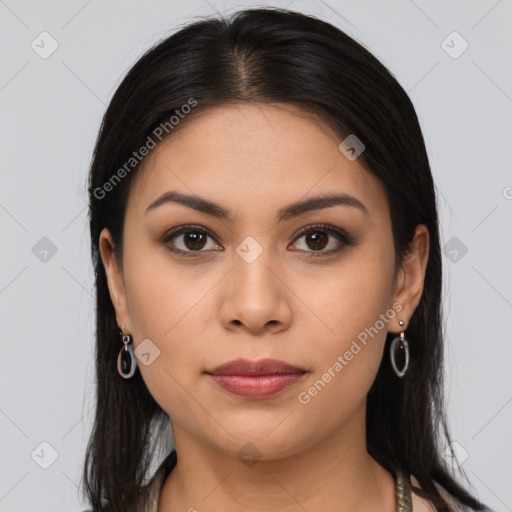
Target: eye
{"points": [[188, 240], [192, 240], [321, 236]]}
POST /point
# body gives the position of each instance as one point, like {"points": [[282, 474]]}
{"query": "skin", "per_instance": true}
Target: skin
{"points": [[205, 310]]}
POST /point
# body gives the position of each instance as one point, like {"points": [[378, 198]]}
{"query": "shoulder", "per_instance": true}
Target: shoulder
{"points": [[420, 504]]}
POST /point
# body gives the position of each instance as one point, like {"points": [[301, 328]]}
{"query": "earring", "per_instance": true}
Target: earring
{"points": [[399, 353], [126, 361]]}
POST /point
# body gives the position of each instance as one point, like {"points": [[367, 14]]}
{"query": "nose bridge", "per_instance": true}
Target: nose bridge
{"points": [[252, 274], [256, 296]]}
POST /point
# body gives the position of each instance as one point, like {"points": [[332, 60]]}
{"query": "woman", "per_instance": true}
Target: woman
{"points": [[265, 240]]}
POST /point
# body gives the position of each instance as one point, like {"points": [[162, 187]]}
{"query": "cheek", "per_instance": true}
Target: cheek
{"points": [[348, 358], [353, 304], [352, 295], [159, 292], [169, 305]]}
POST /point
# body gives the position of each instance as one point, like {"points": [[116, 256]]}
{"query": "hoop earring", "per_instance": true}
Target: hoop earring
{"points": [[126, 361], [399, 353]]}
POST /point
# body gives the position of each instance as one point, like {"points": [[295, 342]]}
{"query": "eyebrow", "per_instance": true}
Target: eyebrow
{"points": [[285, 213]]}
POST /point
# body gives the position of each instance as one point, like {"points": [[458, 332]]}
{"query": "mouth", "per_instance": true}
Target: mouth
{"points": [[256, 379]]}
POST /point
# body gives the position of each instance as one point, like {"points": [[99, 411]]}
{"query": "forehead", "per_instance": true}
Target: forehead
{"points": [[252, 155]]}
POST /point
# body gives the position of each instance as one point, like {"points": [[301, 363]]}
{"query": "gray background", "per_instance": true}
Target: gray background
{"points": [[50, 113]]}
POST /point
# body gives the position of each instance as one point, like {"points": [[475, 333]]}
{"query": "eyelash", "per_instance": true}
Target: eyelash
{"points": [[340, 235]]}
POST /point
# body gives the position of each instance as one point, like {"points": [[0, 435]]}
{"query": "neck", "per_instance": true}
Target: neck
{"points": [[335, 474]]}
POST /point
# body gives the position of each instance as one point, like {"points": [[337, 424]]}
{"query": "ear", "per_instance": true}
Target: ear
{"points": [[115, 280], [410, 278]]}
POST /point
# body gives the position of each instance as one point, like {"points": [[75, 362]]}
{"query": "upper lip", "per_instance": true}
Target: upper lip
{"points": [[261, 367]]}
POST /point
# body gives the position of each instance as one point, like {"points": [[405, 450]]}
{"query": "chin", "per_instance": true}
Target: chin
{"points": [[251, 446]]}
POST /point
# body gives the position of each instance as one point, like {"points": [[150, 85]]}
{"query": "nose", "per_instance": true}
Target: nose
{"points": [[256, 298]]}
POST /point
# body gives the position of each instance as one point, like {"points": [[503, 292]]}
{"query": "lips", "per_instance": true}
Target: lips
{"points": [[256, 379], [254, 368]]}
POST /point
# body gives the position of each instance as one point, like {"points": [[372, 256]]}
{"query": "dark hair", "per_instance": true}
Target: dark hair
{"points": [[269, 56]]}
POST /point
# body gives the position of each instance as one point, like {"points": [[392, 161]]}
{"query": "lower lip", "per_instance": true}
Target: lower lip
{"points": [[260, 386]]}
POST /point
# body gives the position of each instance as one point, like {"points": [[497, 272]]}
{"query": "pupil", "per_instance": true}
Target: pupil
{"points": [[195, 240], [319, 241]]}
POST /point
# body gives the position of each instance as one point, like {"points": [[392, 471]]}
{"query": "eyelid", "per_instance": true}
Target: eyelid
{"points": [[324, 227], [185, 228]]}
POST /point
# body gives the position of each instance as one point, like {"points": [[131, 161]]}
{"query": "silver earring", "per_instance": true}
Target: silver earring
{"points": [[399, 353], [126, 361]]}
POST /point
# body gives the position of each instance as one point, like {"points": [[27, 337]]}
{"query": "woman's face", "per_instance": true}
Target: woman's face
{"points": [[240, 280]]}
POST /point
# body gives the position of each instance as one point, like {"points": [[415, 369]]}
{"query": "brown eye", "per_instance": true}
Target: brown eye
{"points": [[194, 240], [319, 237], [317, 241], [188, 240]]}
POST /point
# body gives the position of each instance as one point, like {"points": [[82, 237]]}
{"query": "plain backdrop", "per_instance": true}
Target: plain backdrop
{"points": [[60, 64]]}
